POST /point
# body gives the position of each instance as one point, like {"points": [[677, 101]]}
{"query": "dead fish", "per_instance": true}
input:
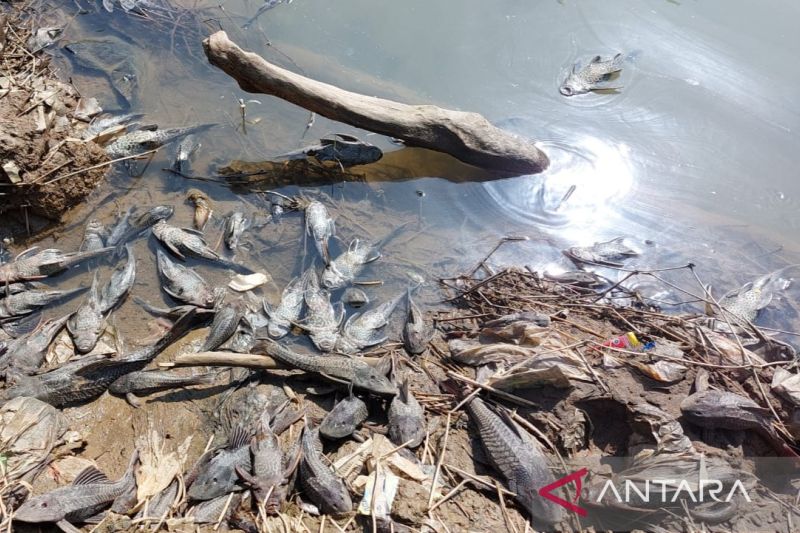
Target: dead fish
{"points": [[44, 37], [203, 208], [342, 149], [322, 319], [120, 228], [93, 237], [355, 297], [143, 222], [149, 381], [289, 308], [406, 418], [518, 458], [27, 353], [362, 329], [579, 278], [25, 303], [609, 253], [215, 474], [320, 484], [319, 226], [417, 332], [345, 268], [99, 125], [141, 141], [345, 417], [226, 320], [209, 512], [745, 303], [184, 284], [119, 285], [271, 468], [87, 323], [235, 225], [186, 148], [592, 77], [36, 264], [89, 493], [183, 241], [726, 410]]}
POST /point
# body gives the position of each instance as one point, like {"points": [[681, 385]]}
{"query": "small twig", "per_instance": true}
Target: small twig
{"points": [[439, 462], [497, 392]]}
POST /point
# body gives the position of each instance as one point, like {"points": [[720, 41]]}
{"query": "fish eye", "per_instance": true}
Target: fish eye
{"points": [[44, 504]]}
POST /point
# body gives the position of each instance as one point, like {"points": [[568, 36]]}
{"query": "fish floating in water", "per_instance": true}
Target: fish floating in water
{"points": [[186, 148], [319, 226], [609, 253], [203, 208], [743, 304], [141, 141], [344, 150], [592, 77]]}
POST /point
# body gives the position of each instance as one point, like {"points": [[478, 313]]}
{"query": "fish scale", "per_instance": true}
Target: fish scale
{"points": [[143, 140], [321, 485], [289, 308], [519, 460]]}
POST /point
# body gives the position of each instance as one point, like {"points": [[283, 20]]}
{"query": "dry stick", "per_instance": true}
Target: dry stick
{"points": [[51, 171], [591, 370], [497, 392], [439, 462], [501, 242], [449, 495], [99, 165]]}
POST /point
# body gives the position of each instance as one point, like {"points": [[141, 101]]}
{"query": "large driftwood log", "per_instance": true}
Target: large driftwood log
{"points": [[466, 136]]}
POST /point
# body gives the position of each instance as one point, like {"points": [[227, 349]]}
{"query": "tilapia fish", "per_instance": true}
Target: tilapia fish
{"points": [[183, 283], [518, 458], [93, 237], [609, 253], [322, 319], [320, 227], [362, 329], [203, 207], [347, 266], [289, 308], [344, 418], [592, 77], [90, 493], [320, 484], [406, 418], [215, 472], [88, 322], [141, 141]]}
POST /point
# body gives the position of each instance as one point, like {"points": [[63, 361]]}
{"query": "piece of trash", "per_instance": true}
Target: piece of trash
{"points": [[379, 493], [663, 371], [12, 171], [87, 108], [246, 282], [629, 341]]}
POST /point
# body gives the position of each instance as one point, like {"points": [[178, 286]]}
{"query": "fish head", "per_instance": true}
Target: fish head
{"points": [[161, 212], [542, 512], [208, 485], [372, 153], [332, 278], [325, 340], [368, 378], [19, 384], [43, 508], [336, 501], [572, 86], [336, 428], [581, 253], [85, 340], [406, 428]]}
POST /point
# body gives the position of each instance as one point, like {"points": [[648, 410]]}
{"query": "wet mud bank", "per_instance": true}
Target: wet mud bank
{"points": [[46, 165]]}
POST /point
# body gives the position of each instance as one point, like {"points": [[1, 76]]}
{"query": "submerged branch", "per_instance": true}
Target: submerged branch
{"points": [[466, 136]]}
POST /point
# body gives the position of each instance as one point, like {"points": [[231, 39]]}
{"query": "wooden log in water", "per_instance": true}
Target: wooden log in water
{"points": [[466, 136]]}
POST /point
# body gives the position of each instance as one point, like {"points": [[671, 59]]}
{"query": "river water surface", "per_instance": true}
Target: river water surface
{"points": [[691, 160]]}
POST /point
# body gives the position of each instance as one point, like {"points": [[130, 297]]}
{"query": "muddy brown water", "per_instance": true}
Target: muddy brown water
{"points": [[691, 160]]}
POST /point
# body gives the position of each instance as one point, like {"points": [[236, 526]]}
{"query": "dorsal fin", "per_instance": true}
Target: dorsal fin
{"points": [[405, 390], [238, 437], [90, 475], [596, 59]]}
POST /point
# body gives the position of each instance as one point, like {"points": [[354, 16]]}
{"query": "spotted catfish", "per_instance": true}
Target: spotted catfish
{"points": [[322, 319], [609, 253], [319, 482], [93, 237], [120, 284], [289, 308], [742, 305], [27, 353], [184, 284], [342, 149], [140, 224], [215, 475], [344, 418], [362, 329], [347, 266], [36, 264], [88, 322], [27, 302], [89, 493], [182, 242], [141, 141], [319, 226], [593, 76], [226, 320]]}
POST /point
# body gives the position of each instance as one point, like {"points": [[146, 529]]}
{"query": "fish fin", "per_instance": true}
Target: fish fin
{"points": [[169, 292], [246, 477], [133, 400], [239, 436], [596, 59], [340, 313], [175, 251], [346, 137], [62, 524], [291, 462], [194, 231], [764, 299], [334, 379], [90, 475], [350, 319], [374, 256], [33, 250], [405, 391], [575, 67]]}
